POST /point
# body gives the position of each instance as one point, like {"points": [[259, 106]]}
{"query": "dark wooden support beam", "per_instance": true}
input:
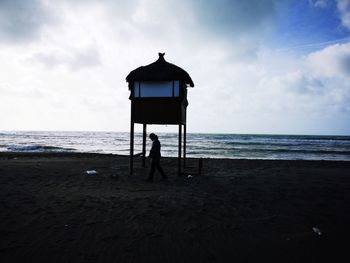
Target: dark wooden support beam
{"points": [[184, 162], [179, 156], [144, 145], [131, 148], [131, 162]]}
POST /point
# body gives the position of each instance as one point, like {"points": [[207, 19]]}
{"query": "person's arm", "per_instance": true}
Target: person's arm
{"points": [[152, 151]]}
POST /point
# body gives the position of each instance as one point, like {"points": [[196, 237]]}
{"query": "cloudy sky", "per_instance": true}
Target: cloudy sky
{"points": [[259, 66]]}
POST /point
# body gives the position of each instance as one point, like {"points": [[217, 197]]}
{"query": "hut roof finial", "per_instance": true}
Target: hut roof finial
{"points": [[161, 55]]}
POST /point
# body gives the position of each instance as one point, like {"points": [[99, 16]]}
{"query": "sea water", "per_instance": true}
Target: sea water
{"points": [[233, 146]]}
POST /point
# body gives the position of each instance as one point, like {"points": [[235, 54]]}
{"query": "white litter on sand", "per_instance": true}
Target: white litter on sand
{"points": [[317, 231]]}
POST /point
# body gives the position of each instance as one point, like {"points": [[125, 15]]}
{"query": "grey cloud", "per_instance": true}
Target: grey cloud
{"points": [[22, 21], [234, 17], [345, 64], [220, 23], [221, 17], [319, 3], [74, 59], [332, 61], [344, 11], [304, 84], [122, 8], [22, 92], [88, 57]]}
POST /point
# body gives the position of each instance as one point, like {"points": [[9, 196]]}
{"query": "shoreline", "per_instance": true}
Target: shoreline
{"points": [[239, 210], [88, 154]]}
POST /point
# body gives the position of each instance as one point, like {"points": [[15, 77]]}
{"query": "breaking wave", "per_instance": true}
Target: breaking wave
{"points": [[37, 148]]}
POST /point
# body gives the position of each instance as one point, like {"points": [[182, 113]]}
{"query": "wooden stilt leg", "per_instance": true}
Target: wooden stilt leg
{"points": [[144, 146], [179, 157], [131, 147], [184, 162]]}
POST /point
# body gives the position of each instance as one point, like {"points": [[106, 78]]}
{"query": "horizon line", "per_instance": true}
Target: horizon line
{"points": [[224, 133]]}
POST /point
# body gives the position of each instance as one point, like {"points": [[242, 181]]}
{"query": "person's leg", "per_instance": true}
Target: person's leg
{"points": [[159, 168], [151, 172]]}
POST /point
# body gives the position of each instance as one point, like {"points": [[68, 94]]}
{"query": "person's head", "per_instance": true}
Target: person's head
{"points": [[153, 137]]}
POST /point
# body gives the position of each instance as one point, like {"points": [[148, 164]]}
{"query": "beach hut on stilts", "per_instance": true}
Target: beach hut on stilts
{"points": [[158, 95]]}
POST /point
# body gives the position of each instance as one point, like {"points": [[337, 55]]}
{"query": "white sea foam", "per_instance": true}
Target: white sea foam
{"points": [[36, 148]]}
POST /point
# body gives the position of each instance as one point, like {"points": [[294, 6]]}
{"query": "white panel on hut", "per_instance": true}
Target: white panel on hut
{"points": [[157, 89]]}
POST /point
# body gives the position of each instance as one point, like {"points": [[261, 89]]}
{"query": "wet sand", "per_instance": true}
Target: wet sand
{"points": [[237, 211]]}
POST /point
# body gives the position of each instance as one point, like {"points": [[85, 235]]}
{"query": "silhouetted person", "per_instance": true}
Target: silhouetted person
{"points": [[155, 155]]}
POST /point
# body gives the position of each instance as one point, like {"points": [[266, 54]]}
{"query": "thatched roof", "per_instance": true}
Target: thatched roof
{"points": [[159, 70]]}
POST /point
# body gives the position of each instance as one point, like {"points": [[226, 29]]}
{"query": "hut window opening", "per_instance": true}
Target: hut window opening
{"points": [[157, 89]]}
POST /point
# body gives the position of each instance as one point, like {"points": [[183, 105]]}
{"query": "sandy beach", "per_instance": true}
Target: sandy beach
{"points": [[236, 211]]}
